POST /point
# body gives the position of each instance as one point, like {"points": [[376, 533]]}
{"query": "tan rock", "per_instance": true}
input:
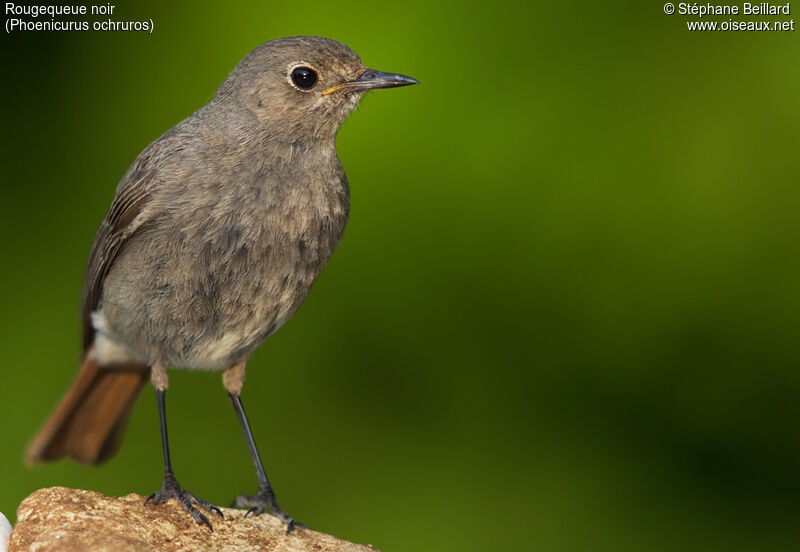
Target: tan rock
{"points": [[61, 519]]}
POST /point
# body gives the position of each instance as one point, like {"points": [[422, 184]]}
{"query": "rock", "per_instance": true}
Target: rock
{"points": [[61, 519]]}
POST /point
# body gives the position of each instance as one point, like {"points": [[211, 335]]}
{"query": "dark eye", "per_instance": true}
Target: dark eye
{"points": [[304, 78]]}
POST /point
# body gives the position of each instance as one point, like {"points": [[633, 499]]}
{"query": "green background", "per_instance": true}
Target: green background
{"points": [[564, 315]]}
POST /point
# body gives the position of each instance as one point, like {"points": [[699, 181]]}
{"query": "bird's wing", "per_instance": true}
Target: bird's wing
{"points": [[128, 212]]}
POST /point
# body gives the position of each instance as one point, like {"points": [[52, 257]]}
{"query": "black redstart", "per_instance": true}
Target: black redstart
{"points": [[211, 243]]}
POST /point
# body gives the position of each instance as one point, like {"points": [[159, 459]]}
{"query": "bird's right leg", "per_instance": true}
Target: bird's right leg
{"points": [[171, 488], [264, 499]]}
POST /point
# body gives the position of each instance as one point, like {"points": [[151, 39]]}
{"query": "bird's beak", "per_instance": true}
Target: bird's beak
{"points": [[372, 79]]}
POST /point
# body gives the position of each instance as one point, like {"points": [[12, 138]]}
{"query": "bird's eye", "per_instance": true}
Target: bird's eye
{"points": [[304, 78]]}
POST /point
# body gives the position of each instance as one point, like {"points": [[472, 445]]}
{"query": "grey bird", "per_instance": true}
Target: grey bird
{"points": [[214, 237]]}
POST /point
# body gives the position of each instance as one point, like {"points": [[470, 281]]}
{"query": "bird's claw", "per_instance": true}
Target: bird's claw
{"points": [[171, 489], [265, 500]]}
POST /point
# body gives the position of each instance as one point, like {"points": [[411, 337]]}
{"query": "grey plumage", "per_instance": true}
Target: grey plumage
{"points": [[214, 237], [220, 226]]}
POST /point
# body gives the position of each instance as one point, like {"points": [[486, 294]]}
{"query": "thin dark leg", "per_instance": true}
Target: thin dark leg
{"points": [[251, 442], [265, 498], [171, 488], [162, 417]]}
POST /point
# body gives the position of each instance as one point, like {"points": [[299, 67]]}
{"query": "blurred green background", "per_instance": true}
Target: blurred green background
{"points": [[564, 315]]}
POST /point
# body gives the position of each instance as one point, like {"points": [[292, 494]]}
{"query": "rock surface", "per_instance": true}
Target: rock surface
{"points": [[62, 519]]}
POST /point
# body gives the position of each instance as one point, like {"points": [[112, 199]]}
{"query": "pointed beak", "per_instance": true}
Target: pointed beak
{"points": [[372, 79]]}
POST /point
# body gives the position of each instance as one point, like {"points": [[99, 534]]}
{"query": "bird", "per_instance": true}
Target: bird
{"points": [[214, 238]]}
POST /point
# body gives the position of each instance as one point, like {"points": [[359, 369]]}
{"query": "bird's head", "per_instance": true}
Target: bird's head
{"points": [[305, 86]]}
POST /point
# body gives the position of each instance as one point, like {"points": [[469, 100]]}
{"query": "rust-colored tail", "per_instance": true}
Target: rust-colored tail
{"points": [[89, 422]]}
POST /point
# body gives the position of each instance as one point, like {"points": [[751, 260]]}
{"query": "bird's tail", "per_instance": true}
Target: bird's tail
{"points": [[89, 422]]}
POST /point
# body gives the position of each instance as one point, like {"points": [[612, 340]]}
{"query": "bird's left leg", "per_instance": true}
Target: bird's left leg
{"points": [[171, 488], [233, 378]]}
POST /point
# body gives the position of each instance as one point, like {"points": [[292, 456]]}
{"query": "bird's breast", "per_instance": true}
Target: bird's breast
{"points": [[223, 275], [261, 262]]}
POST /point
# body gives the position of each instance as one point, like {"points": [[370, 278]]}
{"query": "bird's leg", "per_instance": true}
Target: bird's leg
{"points": [[265, 497], [171, 488]]}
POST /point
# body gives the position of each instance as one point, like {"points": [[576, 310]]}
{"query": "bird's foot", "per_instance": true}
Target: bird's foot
{"points": [[171, 489], [265, 500]]}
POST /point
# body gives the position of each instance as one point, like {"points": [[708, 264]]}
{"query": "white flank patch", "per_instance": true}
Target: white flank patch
{"points": [[106, 350]]}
